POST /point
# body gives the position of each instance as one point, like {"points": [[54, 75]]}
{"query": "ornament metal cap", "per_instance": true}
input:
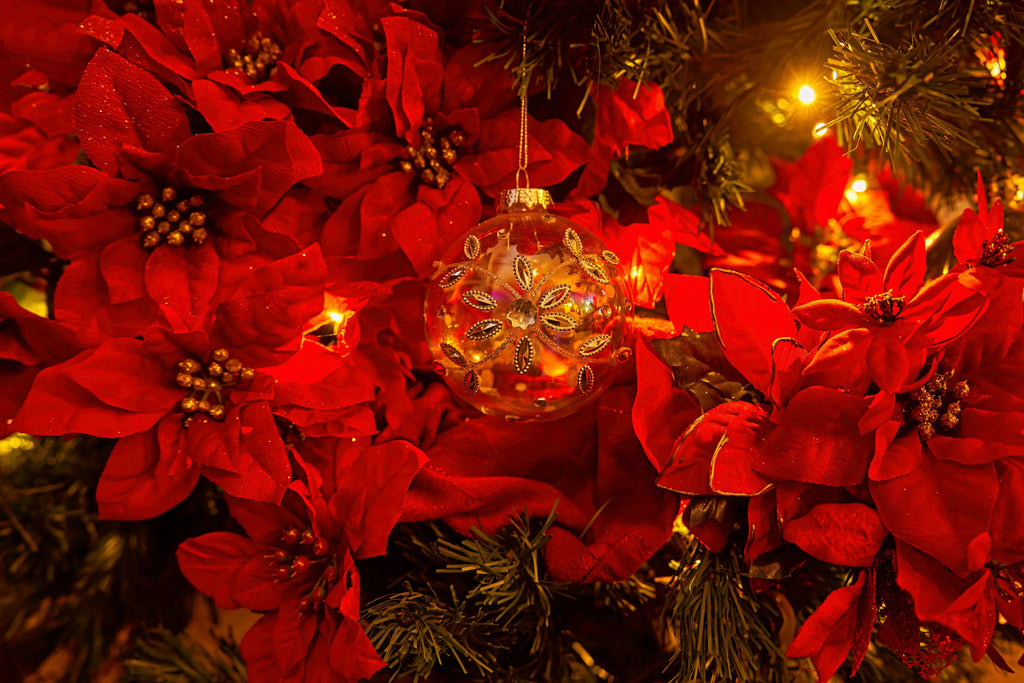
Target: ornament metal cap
{"points": [[523, 199]]}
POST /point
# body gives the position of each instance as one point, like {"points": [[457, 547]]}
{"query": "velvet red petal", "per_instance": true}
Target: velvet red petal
{"points": [[231, 569], [940, 508], [251, 166], [860, 277], [146, 474], [687, 298], [748, 317], [829, 314], [265, 319], [847, 534], [906, 270], [661, 410], [414, 72], [118, 104], [817, 440], [966, 605], [834, 628], [382, 475]]}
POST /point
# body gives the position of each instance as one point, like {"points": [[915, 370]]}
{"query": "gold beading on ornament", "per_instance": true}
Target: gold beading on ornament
{"points": [[529, 317]]}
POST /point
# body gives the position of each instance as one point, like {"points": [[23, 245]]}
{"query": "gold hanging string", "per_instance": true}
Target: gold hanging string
{"points": [[523, 137]]}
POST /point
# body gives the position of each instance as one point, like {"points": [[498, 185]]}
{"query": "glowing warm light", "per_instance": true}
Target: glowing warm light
{"points": [[336, 316], [835, 74], [820, 129], [805, 94], [859, 185], [1020, 195], [634, 272]]}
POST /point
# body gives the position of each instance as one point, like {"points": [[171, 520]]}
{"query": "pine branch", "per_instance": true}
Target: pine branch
{"points": [[162, 656], [720, 627], [415, 631]]}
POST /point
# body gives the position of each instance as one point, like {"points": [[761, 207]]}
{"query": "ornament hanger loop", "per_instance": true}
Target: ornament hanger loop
{"points": [[524, 82]]}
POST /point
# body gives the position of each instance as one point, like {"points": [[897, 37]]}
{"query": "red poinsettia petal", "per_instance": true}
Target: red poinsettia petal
{"points": [[966, 605], [246, 457], [817, 440], [293, 635], [684, 225], [232, 570], [749, 317], [687, 298], [352, 654], [251, 166], [264, 321], [1006, 531], [841, 361], [788, 357], [888, 363], [845, 534], [731, 471], [426, 229], [940, 508], [183, 283], [829, 314], [689, 471], [661, 410], [74, 208], [383, 474], [829, 634], [146, 474], [905, 273], [895, 459], [97, 393], [118, 104], [415, 72], [860, 277], [968, 237]]}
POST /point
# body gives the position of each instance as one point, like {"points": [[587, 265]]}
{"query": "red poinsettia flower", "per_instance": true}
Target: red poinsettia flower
{"points": [[296, 564], [484, 471], [989, 262], [164, 245], [241, 62], [841, 623], [429, 136], [186, 404], [628, 114], [952, 454], [887, 322]]}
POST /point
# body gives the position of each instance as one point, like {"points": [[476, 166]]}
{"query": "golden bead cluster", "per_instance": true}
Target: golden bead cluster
{"points": [[937, 405], [435, 157], [170, 220], [206, 384], [884, 308], [257, 58], [996, 251]]}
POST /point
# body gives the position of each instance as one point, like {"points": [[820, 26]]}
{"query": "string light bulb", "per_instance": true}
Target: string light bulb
{"points": [[806, 94], [820, 129]]}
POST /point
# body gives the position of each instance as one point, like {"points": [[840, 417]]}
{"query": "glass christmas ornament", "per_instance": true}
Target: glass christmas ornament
{"points": [[527, 314]]}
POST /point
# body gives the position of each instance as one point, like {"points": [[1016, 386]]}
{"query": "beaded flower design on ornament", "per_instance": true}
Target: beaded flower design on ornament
{"points": [[531, 318]]}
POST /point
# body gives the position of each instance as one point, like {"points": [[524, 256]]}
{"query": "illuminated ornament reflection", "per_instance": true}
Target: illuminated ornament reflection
{"points": [[527, 315]]}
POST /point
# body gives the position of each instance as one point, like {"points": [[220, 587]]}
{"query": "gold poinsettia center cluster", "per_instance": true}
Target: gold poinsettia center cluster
{"points": [[171, 218], [936, 405], [884, 308], [257, 58], [996, 251], [206, 384], [435, 158]]}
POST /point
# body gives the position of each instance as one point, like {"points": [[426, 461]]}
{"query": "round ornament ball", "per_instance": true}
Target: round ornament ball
{"points": [[527, 315]]}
